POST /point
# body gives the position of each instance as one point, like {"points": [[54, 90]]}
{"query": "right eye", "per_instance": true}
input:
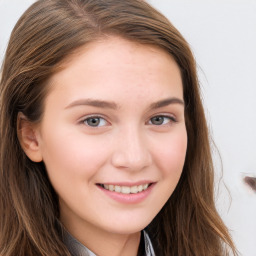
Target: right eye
{"points": [[95, 121]]}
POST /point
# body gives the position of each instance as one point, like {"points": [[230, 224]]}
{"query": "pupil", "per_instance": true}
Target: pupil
{"points": [[93, 121], [158, 120]]}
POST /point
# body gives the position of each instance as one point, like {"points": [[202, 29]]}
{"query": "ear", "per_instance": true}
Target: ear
{"points": [[28, 138]]}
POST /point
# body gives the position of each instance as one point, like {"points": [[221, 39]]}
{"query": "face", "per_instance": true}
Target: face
{"points": [[113, 135]]}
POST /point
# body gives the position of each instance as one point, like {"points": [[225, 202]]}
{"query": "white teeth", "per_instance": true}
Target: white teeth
{"points": [[126, 189], [145, 186], [118, 189], [134, 189], [140, 188], [111, 187]]}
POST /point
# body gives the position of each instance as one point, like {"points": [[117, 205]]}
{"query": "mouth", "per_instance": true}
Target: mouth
{"points": [[126, 189]]}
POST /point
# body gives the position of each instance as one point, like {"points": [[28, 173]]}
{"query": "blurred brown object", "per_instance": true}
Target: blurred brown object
{"points": [[251, 182]]}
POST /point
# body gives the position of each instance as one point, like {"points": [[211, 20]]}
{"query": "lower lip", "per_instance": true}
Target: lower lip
{"points": [[128, 198]]}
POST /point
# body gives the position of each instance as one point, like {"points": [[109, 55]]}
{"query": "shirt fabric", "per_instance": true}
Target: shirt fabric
{"points": [[78, 249]]}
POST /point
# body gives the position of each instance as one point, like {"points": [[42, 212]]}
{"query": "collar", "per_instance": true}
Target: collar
{"points": [[78, 249]]}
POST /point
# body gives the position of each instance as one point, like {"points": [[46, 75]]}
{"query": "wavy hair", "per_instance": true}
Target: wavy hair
{"points": [[46, 34]]}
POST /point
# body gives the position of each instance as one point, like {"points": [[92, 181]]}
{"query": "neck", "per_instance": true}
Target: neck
{"points": [[104, 243]]}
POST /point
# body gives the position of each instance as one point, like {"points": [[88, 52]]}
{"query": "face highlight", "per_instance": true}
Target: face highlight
{"points": [[113, 136]]}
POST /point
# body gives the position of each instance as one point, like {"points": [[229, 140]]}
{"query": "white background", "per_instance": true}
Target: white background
{"points": [[222, 35]]}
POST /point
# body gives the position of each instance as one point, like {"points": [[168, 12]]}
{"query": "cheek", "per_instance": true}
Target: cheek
{"points": [[170, 156], [73, 154]]}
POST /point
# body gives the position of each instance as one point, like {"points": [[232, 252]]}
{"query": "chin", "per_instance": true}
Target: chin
{"points": [[133, 225]]}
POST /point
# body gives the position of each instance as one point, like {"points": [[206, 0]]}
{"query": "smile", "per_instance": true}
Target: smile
{"points": [[126, 189]]}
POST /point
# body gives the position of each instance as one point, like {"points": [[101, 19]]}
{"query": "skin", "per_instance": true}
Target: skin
{"points": [[127, 146]]}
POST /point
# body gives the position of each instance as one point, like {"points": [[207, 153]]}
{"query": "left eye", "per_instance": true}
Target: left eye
{"points": [[161, 120], [95, 121]]}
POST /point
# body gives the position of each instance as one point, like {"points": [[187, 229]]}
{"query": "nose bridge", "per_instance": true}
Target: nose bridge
{"points": [[131, 149]]}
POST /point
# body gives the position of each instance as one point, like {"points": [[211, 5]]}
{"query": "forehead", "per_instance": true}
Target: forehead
{"points": [[113, 64]]}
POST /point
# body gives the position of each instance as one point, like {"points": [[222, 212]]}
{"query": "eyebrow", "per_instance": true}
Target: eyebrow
{"points": [[93, 103], [113, 105], [166, 102]]}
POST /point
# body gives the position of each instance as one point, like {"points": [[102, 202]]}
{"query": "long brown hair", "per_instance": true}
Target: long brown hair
{"points": [[47, 33]]}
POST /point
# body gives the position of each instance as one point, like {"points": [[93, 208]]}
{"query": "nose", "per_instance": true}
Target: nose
{"points": [[131, 150]]}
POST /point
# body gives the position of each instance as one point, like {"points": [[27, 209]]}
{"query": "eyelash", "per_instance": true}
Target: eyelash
{"points": [[171, 119]]}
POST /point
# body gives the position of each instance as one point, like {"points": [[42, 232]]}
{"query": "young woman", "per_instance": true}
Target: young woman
{"points": [[104, 143]]}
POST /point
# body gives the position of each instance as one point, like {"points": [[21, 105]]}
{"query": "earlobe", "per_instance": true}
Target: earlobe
{"points": [[28, 138]]}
